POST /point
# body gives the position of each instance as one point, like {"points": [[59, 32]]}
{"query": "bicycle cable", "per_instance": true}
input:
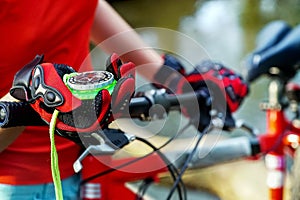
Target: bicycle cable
{"points": [[172, 169], [143, 188], [185, 166], [140, 158]]}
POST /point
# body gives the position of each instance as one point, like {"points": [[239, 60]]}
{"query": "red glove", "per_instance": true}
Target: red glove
{"points": [[217, 76], [123, 91], [223, 87], [42, 85]]}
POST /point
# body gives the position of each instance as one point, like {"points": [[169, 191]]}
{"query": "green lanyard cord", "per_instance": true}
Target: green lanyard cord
{"points": [[54, 159]]}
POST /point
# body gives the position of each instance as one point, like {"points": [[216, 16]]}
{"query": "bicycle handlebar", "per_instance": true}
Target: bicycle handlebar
{"points": [[22, 114], [18, 114], [139, 106], [226, 150]]}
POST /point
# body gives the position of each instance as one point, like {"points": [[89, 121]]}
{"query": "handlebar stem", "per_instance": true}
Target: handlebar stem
{"points": [[275, 91]]}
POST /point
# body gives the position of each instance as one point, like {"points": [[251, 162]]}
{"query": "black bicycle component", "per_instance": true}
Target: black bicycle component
{"points": [[138, 108], [113, 138], [271, 34], [18, 114], [255, 146], [279, 56], [116, 138], [292, 91]]}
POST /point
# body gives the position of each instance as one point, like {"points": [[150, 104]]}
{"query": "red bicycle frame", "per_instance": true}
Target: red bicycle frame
{"points": [[280, 139], [111, 186]]}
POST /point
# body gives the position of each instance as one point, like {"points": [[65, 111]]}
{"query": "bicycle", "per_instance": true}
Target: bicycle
{"points": [[282, 134], [224, 150]]}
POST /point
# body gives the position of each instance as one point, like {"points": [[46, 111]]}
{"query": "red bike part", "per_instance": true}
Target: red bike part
{"points": [[273, 146], [112, 186], [276, 126]]}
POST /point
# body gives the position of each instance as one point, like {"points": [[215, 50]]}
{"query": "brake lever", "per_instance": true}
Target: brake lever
{"points": [[77, 166], [109, 142]]}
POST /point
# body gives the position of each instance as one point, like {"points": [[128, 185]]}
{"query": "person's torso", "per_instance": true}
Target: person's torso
{"points": [[60, 31]]}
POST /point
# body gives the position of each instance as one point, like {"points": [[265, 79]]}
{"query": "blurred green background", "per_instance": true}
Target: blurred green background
{"points": [[226, 29]]}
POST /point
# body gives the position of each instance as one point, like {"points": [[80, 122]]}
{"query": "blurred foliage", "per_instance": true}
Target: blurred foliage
{"points": [[253, 14], [256, 13], [154, 13]]}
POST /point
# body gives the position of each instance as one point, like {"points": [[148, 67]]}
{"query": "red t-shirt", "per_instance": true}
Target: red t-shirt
{"points": [[60, 31]]}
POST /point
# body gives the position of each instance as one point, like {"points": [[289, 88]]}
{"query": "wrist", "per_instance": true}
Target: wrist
{"points": [[170, 73]]}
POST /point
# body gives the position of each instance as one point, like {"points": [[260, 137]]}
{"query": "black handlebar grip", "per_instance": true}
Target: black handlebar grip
{"points": [[14, 114]]}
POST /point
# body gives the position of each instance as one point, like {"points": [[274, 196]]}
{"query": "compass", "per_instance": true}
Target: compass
{"points": [[86, 85]]}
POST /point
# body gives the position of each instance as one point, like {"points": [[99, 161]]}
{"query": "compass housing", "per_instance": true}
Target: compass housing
{"points": [[86, 85]]}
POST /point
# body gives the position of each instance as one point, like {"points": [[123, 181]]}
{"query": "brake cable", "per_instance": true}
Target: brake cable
{"points": [[140, 158], [172, 169], [187, 161]]}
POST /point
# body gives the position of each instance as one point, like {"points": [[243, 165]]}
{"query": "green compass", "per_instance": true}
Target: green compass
{"points": [[86, 85]]}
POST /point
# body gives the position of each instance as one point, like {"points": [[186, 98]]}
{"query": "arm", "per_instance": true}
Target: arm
{"points": [[113, 34], [8, 135]]}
